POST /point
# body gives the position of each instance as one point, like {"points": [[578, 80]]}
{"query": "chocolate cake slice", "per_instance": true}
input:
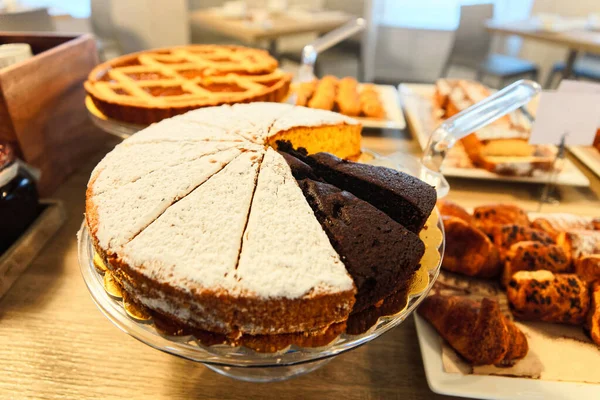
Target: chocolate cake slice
{"points": [[380, 255], [406, 199], [299, 168]]}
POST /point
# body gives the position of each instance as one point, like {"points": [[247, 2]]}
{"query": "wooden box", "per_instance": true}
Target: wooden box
{"points": [[42, 109]]}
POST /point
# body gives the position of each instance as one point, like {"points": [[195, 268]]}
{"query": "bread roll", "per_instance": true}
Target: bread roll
{"points": [[533, 256], [468, 250], [490, 216], [587, 268], [592, 324], [450, 209], [505, 236], [544, 296]]}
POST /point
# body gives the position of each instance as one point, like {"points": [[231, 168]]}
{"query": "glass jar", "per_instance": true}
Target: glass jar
{"points": [[19, 205]]}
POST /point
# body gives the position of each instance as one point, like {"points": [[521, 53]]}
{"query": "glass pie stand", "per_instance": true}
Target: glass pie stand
{"points": [[249, 365]]}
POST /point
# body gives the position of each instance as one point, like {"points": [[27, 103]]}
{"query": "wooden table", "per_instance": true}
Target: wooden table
{"points": [[575, 40], [281, 25], [57, 345]]}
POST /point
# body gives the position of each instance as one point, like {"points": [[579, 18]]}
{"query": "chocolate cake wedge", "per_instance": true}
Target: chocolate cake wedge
{"points": [[406, 199], [380, 254]]}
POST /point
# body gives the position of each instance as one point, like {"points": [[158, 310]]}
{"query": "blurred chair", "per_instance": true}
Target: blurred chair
{"points": [[471, 49], [31, 20], [586, 67], [103, 29]]}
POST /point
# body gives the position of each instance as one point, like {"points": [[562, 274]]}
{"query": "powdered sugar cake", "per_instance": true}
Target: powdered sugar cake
{"points": [[211, 231]]}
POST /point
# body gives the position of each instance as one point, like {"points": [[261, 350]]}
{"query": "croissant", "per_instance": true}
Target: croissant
{"points": [[553, 224], [490, 216], [468, 250], [544, 296], [450, 209], [533, 256], [476, 330], [593, 319], [579, 243], [587, 268]]}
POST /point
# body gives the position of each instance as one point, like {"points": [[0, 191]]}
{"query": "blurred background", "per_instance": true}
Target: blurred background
{"points": [[407, 40]]}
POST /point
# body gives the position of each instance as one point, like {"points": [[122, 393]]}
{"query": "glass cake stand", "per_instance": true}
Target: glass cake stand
{"points": [[108, 125], [240, 362]]}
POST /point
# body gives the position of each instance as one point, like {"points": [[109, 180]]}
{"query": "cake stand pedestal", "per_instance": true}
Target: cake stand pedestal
{"points": [[268, 374]]}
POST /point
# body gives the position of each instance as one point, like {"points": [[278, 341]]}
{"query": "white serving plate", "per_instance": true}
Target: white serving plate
{"points": [[488, 386], [416, 101], [589, 156]]}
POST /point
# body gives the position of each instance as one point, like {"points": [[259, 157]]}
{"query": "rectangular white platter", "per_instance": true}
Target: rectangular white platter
{"points": [[488, 386], [416, 101]]}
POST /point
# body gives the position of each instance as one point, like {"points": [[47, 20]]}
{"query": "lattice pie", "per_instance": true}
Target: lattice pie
{"points": [[146, 87]]}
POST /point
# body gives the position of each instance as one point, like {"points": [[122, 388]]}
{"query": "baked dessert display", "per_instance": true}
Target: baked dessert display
{"points": [[203, 223], [549, 264], [478, 331], [501, 147], [344, 95], [146, 87]]}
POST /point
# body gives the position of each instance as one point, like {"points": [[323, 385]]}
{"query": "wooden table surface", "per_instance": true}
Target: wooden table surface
{"points": [[57, 345], [282, 25], [578, 39]]}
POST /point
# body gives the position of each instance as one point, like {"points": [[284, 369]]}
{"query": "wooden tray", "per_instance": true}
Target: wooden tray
{"points": [[17, 258]]}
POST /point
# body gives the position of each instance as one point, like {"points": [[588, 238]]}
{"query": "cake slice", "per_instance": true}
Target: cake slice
{"points": [[194, 247], [406, 199], [287, 258], [129, 162], [317, 130], [379, 253], [117, 216]]}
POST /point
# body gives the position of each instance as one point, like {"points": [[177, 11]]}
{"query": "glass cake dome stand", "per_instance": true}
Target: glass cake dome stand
{"points": [[246, 364]]}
